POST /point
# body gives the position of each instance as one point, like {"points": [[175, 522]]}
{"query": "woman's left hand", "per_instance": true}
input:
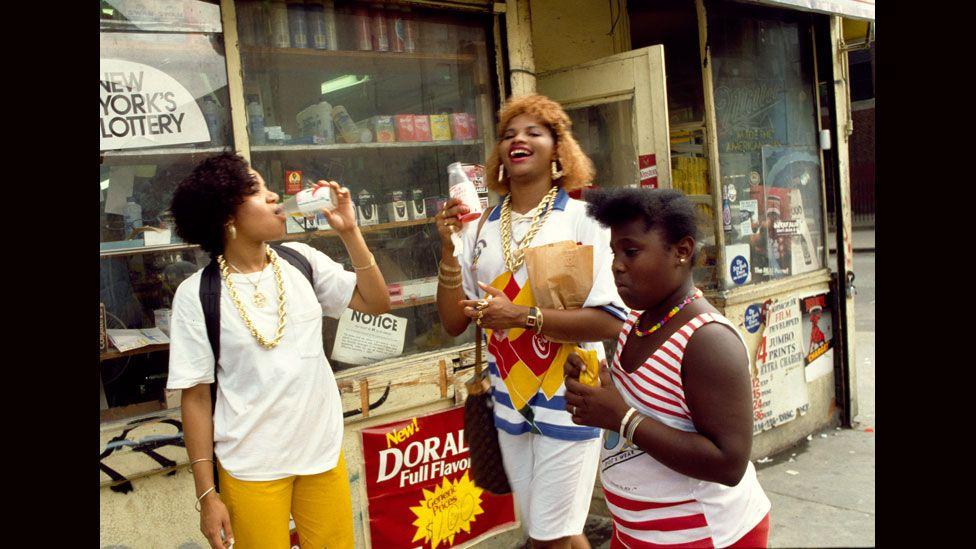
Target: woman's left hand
{"points": [[342, 218], [601, 406], [496, 311]]}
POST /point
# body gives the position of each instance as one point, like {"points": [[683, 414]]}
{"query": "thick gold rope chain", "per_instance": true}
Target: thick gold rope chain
{"points": [[273, 259], [515, 258]]}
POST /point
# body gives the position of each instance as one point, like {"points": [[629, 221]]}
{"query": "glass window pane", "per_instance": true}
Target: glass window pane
{"points": [[380, 98], [605, 133], [767, 133]]}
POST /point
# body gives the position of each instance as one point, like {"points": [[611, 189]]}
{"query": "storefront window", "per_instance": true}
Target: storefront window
{"points": [[770, 165], [381, 98], [163, 106]]}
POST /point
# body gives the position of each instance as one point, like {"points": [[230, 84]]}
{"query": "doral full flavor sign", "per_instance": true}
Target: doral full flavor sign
{"points": [[142, 106], [418, 487]]}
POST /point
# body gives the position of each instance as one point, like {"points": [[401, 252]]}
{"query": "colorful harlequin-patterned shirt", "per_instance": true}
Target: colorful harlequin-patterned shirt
{"points": [[526, 369]]}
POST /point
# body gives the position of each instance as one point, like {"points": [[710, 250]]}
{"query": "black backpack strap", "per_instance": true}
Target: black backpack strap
{"points": [[210, 300], [298, 260]]}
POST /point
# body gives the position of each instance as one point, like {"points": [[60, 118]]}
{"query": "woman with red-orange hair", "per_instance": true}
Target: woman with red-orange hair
{"points": [[550, 462]]}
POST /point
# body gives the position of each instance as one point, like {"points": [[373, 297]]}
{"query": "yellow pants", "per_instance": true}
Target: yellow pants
{"points": [[319, 504]]}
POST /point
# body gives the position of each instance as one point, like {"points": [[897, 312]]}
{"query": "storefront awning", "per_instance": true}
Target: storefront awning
{"points": [[855, 9]]}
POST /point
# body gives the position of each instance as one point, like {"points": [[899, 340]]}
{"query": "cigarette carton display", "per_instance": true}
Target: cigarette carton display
{"points": [[417, 206], [396, 207]]}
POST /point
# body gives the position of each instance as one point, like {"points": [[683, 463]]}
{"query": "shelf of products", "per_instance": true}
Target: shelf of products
{"points": [[298, 236], [359, 147], [302, 59], [113, 353]]}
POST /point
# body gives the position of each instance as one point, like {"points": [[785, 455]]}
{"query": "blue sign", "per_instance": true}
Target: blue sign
{"points": [[753, 318], [739, 269]]}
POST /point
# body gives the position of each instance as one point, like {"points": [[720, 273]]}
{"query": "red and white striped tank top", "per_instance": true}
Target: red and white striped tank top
{"points": [[653, 505]]}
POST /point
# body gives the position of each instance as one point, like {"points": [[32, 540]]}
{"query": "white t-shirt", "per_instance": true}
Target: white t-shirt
{"points": [[278, 411], [518, 364]]}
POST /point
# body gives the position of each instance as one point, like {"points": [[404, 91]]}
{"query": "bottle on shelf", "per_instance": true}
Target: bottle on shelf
{"points": [[132, 216], [280, 36], [361, 25], [347, 128], [255, 120], [380, 31], [297, 24]]}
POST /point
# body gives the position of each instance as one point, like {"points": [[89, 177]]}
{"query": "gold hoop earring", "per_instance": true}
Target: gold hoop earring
{"points": [[501, 172], [556, 172], [232, 231]]}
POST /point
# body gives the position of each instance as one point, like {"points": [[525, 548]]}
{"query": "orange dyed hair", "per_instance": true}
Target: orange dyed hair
{"points": [[577, 168]]}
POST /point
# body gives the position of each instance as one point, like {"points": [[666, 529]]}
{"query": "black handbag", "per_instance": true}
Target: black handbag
{"points": [[487, 470]]}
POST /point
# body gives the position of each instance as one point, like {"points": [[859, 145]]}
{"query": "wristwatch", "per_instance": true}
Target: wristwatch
{"points": [[532, 318]]}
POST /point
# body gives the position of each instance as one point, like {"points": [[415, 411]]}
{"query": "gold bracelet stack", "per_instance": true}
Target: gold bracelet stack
{"points": [[372, 263], [448, 277]]}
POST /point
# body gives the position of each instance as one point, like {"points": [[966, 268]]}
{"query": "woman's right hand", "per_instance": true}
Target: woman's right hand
{"points": [[447, 221], [214, 517]]}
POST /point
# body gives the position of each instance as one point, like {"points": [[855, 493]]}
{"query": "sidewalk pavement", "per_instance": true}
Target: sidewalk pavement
{"points": [[862, 240]]}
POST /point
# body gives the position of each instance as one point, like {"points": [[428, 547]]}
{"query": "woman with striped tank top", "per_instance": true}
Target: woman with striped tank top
{"points": [[675, 402]]}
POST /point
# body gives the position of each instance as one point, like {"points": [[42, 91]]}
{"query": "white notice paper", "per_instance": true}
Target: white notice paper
{"points": [[126, 340], [120, 180], [363, 338], [781, 381]]}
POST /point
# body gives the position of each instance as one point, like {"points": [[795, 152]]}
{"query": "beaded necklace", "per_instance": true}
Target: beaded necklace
{"points": [[691, 297]]}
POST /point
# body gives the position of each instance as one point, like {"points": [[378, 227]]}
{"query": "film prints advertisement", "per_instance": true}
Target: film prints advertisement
{"points": [[779, 387], [418, 488]]}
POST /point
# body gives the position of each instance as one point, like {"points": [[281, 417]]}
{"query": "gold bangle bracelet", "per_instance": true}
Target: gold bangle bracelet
{"points": [[446, 270], [372, 263]]}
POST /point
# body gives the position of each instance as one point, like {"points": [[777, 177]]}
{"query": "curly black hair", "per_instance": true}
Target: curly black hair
{"points": [[668, 209], [208, 197]]}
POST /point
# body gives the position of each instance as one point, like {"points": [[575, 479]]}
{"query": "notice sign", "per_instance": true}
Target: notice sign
{"points": [[418, 489], [780, 387], [363, 338], [141, 106]]}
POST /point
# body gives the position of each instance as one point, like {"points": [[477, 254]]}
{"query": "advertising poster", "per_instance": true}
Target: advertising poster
{"points": [[142, 106], [418, 489], [818, 336], [779, 386]]}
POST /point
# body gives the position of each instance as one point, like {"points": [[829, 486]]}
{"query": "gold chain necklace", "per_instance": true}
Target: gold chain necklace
{"points": [[259, 299], [273, 259], [515, 258]]}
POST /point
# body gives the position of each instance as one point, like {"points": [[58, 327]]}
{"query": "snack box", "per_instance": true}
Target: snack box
{"points": [[384, 128], [405, 127], [440, 127], [421, 127]]}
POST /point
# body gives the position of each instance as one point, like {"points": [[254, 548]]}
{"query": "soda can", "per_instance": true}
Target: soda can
{"points": [[280, 37], [381, 36], [297, 25], [361, 23]]}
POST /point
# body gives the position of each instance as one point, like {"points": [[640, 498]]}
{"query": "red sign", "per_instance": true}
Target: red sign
{"points": [[418, 487], [648, 170]]}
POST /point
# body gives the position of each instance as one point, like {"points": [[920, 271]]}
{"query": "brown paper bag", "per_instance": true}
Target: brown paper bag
{"points": [[560, 274]]}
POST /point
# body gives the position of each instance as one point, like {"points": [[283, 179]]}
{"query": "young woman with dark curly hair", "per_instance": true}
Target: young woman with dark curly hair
{"points": [[550, 462], [276, 430], [675, 402]]}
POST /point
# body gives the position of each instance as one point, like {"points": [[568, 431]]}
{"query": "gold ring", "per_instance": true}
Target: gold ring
{"points": [[482, 304], [480, 314], [478, 321]]}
